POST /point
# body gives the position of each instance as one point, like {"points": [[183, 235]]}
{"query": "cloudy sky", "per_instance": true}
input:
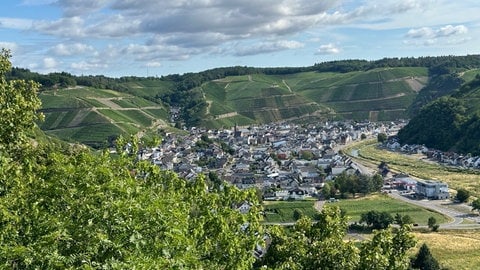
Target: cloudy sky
{"points": [[160, 37]]}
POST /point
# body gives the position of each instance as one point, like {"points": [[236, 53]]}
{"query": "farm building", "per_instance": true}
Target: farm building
{"points": [[431, 189]]}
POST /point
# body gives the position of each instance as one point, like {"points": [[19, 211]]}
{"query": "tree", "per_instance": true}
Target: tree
{"points": [[321, 245], [327, 190], [297, 214], [382, 137], [432, 224], [377, 182], [376, 219], [424, 259], [403, 220], [18, 111], [476, 205], [462, 195]]}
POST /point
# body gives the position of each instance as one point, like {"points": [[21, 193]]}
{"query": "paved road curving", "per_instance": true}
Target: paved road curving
{"points": [[442, 206]]}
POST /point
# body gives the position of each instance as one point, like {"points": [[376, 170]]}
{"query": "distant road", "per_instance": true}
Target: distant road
{"points": [[458, 213]]}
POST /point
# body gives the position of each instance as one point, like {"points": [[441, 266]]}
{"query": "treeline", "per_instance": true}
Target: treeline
{"points": [[437, 65], [345, 184], [183, 92]]}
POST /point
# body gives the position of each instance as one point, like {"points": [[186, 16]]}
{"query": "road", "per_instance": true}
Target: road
{"points": [[460, 214]]}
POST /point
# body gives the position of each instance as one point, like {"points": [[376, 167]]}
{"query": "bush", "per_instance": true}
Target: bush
{"points": [[462, 195]]}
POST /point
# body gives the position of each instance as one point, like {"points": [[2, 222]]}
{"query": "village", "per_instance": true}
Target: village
{"points": [[284, 161]]}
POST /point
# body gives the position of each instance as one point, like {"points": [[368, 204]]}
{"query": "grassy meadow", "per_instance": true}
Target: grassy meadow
{"points": [[454, 249], [354, 208], [282, 211]]}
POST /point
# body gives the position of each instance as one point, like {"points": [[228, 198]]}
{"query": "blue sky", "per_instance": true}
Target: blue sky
{"points": [[157, 37]]}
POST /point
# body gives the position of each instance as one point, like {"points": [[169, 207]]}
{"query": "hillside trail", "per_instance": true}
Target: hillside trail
{"points": [[109, 103], [288, 87]]}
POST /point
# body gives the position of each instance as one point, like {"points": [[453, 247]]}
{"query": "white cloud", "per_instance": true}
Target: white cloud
{"points": [[428, 36], [268, 47], [15, 23], [450, 30], [329, 48], [87, 66], [64, 27], [13, 47], [63, 49], [50, 63], [78, 8], [153, 64], [424, 32], [428, 32]]}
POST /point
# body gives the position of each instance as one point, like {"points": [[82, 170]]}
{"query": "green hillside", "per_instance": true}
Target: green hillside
{"points": [[95, 109], [450, 123], [95, 116], [378, 94]]}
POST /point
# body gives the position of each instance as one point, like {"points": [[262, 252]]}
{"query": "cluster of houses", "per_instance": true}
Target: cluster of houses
{"points": [[285, 161], [445, 158]]}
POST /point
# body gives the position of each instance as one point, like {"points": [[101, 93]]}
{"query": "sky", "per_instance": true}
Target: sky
{"points": [[158, 37]]}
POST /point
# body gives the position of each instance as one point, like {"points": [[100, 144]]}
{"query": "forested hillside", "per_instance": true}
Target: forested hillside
{"points": [[94, 110], [450, 123]]}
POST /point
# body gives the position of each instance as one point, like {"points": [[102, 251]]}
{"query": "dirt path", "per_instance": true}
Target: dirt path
{"points": [[414, 84], [319, 205], [226, 115], [81, 114], [288, 87], [109, 103]]}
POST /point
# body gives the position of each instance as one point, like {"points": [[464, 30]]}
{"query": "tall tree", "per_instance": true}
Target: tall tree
{"points": [[424, 259], [19, 105]]}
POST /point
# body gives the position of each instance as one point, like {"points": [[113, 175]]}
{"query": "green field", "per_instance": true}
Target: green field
{"points": [[354, 208], [379, 94], [283, 211]]}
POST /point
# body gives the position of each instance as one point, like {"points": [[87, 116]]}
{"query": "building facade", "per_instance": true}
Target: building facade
{"points": [[431, 189]]}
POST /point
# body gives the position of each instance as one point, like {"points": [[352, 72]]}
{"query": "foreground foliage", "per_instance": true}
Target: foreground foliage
{"points": [[321, 245]]}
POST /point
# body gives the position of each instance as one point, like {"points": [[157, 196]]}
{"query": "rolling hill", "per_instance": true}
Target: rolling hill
{"points": [[95, 116], [378, 94], [95, 109]]}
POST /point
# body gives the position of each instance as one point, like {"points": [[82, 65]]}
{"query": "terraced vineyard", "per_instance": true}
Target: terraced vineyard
{"points": [[93, 116], [380, 94]]}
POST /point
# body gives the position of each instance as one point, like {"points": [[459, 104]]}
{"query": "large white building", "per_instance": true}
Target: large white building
{"points": [[431, 189]]}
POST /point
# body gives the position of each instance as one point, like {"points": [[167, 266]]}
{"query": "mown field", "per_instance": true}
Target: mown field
{"points": [[354, 208], [454, 249], [282, 211], [417, 166]]}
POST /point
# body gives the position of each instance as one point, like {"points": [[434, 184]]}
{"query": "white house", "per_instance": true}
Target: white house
{"points": [[431, 189]]}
